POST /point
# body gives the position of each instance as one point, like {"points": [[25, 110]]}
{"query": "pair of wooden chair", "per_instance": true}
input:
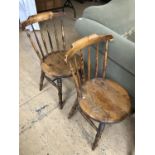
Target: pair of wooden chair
{"points": [[98, 99]]}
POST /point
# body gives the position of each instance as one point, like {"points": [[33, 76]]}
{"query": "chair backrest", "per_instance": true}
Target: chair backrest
{"points": [[48, 38], [82, 72]]}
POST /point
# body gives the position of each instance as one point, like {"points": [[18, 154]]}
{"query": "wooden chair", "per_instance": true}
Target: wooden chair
{"points": [[50, 47], [99, 99]]}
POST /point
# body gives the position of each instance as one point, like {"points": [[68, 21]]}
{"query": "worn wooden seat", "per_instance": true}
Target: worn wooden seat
{"points": [[98, 98], [50, 46], [55, 66], [105, 100]]}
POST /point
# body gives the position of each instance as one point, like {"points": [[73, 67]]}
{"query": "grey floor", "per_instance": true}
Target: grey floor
{"points": [[44, 128]]}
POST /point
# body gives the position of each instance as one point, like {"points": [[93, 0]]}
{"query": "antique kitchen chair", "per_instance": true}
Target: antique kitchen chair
{"points": [[98, 98], [50, 47]]}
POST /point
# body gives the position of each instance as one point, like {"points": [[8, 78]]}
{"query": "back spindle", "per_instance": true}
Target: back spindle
{"points": [[82, 66], [96, 57], [77, 71], [44, 42], [73, 71], [89, 65], [49, 38], [56, 35], [105, 59], [34, 46], [37, 40], [63, 35]]}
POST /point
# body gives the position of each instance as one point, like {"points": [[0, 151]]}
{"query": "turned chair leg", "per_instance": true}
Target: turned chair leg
{"points": [[73, 109], [98, 135], [59, 84], [41, 80]]}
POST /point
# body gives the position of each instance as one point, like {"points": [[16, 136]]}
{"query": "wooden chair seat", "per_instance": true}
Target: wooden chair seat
{"points": [[98, 98], [105, 100], [54, 65]]}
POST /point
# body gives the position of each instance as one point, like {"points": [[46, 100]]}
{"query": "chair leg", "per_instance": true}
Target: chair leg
{"points": [[73, 109], [98, 135], [41, 80], [59, 84]]}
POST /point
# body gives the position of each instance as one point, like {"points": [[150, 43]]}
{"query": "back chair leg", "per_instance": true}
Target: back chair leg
{"points": [[98, 135], [73, 109], [59, 84], [42, 76]]}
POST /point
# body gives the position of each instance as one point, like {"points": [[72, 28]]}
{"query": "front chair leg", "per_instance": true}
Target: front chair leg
{"points": [[98, 135], [42, 76], [59, 84], [73, 109]]}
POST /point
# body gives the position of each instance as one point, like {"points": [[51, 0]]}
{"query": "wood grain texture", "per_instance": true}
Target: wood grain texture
{"points": [[54, 64], [52, 60], [85, 42], [40, 17], [105, 100], [99, 99], [46, 43]]}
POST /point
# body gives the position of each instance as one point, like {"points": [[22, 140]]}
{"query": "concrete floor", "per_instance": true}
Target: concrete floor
{"points": [[44, 128]]}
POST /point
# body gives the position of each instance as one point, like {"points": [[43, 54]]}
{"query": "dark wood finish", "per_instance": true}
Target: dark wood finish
{"points": [[100, 99], [59, 84], [54, 5], [69, 4], [89, 120], [98, 135], [42, 76], [50, 47], [44, 5], [73, 109]]}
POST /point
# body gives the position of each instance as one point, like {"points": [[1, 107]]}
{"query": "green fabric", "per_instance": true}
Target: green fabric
{"points": [[121, 50], [118, 15], [121, 64], [116, 18]]}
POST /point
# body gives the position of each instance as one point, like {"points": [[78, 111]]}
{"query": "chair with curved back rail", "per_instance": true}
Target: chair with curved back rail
{"points": [[50, 47], [98, 98]]}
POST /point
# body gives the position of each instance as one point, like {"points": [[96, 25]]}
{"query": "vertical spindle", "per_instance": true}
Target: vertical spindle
{"points": [[49, 37], [63, 35], [96, 57], [89, 65], [56, 36], [105, 56], [37, 41], [33, 45], [82, 67], [44, 42]]}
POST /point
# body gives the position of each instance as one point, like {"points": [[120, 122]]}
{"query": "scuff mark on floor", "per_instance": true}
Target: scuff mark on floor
{"points": [[39, 110], [41, 114]]}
